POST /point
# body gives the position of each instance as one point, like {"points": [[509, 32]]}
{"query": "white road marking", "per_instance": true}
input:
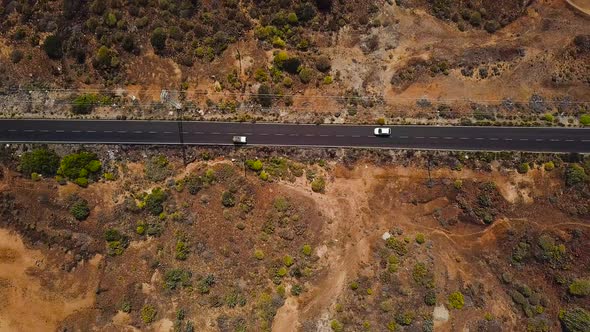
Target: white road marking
{"points": [[216, 133], [122, 131], [44, 131], [357, 136], [479, 138], [76, 131], [569, 140], [554, 140], [309, 135], [324, 135], [279, 134], [508, 139], [293, 134], [167, 132], [464, 138], [539, 139], [433, 137], [420, 137], [448, 137], [12, 130], [90, 131], [263, 134], [29, 131], [153, 132], [107, 131], [199, 132]]}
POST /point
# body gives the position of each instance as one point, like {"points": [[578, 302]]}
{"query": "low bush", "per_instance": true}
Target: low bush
{"points": [[157, 168], [84, 104], [80, 209], [177, 278], [523, 168], [254, 165], [574, 175], [398, 246], [154, 200], [585, 119], [420, 238], [575, 319], [288, 260], [306, 250], [580, 287], [336, 326], [205, 284], [228, 199], [182, 250], [456, 300], [296, 290], [430, 297], [148, 313], [258, 254], [53, 47], [305, 75], [318, 184], [79, 165], [41, 161], [549, 166]]}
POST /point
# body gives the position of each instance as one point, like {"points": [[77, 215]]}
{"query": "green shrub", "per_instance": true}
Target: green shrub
{"points": [[82, 182], [354, 285], [258, 254], [288, 260], [458, 184], [148, 313], [306, 250], [205, 284], [549, 117], [154, 200], [35, 177], [177, 278], [399, 247], [79, 165], [228, 199], [264, 95], [585, 119], [296, 290], [263, 176], [523, 168], [323, 64], [140, 229], [574, 175], [108, 176], [84, 104], [475, 18], [420, 238], [261, 75], [318, 184], [182, 250], [405, 318], [158, 39], [456, 300], [288, 82], [255, 165], [575, 320], [80, 209], [328, 80], [430, 297], [549, 166], [53, 47], [336, 326], [580, 287], [422, 275], [305, 75], [41, 161]]}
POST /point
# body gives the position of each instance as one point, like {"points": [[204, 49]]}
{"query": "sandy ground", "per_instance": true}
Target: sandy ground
{"points": [[34, 296]]}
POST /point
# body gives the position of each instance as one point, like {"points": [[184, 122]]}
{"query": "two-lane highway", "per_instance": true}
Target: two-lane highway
{"points": [[271, 134]]}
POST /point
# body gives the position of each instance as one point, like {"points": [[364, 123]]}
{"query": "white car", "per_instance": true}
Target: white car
{"points": [[239, 139], [382, 131]]}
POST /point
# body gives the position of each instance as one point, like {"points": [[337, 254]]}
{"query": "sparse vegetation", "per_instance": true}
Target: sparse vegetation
{"points": [[148, 313], [580, 287]]}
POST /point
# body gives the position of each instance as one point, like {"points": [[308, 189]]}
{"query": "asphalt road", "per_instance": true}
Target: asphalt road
{"points": [[220, 133]]}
